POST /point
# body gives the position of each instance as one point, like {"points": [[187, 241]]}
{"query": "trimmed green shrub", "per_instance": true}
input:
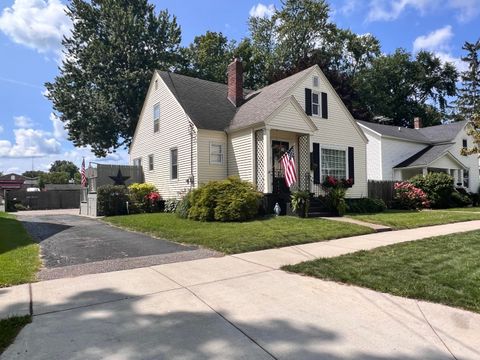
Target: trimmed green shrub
{"points": [[112, 199], [438, 187], [457, 199], [365, 205], [226, 200]]}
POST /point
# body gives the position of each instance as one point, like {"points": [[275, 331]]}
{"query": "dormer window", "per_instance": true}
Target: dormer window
{"points": [[315, 81]]}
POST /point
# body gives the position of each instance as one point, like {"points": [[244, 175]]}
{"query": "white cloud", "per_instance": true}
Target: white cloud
{"points": [[438, 42], [348, 7], [37, 24], [59, 131], [466, 9], [389, 10], [262, 10], [434, 41], [30, 143], [22, 122]]}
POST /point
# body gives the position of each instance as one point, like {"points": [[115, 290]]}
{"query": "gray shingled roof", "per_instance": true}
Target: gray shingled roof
{"points": [[205, 102], [260, 104], [428, 135], [207, 105], [425, 156]]}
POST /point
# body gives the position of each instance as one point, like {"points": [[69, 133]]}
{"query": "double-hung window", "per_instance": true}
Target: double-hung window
{"points": [[174, 164], [156, 117], [150, 162], [334, 163], [216, 154], [315, 103]]}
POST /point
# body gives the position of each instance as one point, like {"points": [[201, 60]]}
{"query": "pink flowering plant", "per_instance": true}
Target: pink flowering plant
{"points": [[407, 196]]}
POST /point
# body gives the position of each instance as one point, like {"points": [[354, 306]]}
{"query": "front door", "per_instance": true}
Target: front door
{"points": [[278, 149]]}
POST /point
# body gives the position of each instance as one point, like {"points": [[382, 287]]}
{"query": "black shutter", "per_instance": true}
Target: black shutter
{"points": [[308, 101], [351, 163], [316, 163], [324, 105], [464, 143]]}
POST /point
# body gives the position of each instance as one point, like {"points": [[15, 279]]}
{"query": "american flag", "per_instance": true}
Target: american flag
{"points": [[288, 165], [84, 176]]}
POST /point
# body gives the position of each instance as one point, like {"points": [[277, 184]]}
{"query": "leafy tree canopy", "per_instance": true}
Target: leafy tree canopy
{"points": [[468, 101], [109, 58], [64, 166]]}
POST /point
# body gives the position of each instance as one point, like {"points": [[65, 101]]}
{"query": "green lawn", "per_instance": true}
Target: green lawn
{"points": [[465, 209], [412, 219], [233, 238], [442, 269], [9, 329], [19, 254]]}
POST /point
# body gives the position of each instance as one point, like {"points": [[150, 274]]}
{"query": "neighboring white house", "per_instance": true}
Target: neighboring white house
{"points": [[398, 153], [191, 131]]}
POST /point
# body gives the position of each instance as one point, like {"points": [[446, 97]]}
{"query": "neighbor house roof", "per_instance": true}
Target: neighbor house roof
{"points": [[428, 135], [207, 105], [425, 156]]}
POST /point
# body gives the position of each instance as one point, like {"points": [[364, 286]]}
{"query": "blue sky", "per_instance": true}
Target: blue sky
{"points": [[30, 33]]}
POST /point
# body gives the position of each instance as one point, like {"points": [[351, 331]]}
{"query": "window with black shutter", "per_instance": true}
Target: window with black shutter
{"points": [[324, 105]]}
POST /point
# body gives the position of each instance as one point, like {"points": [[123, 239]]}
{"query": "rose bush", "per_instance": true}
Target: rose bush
{"points": [[409, 197]]}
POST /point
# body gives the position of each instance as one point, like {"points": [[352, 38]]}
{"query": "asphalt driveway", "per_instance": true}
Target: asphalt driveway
{"points": [[76, 245]]}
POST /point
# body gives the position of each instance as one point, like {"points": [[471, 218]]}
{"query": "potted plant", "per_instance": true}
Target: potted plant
{"points": [[335, 190], [300, 202]]}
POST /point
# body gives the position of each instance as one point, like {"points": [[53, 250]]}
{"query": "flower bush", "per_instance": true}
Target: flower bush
{"points": [[438, 187], [335, 191], [139, 195], [409, 197]]}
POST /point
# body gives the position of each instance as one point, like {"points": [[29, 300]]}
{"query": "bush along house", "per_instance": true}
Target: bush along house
{"points": [[192, 131]]}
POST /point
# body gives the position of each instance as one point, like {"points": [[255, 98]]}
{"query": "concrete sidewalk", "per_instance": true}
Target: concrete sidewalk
{"points": [[239, 307]]}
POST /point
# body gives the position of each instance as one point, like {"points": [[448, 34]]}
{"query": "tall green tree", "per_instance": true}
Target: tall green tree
{"points": [[108, 61], [208, 56], [64, 166], [401, 87], [468, 101]]}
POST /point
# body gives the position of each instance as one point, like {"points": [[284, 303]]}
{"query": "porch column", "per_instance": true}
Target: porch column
{"points": [[425, 171], [268, 161]]}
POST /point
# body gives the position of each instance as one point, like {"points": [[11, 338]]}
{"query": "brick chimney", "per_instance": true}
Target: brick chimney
{"points": [[417, 123], [235, 82]]}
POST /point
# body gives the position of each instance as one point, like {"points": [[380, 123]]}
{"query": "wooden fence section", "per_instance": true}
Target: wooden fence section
{"points": [[53, 199], [381, 190]]}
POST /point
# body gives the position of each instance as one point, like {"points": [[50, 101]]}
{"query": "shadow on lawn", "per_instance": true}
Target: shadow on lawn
{"points": [[171, 325]]}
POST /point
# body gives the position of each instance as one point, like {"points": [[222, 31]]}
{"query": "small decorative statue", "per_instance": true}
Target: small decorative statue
{"points": [[277, 209]]}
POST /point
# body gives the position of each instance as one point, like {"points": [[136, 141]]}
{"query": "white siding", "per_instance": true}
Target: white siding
{"points": [[174, 132], [395, 151], [470, 161], [206, 170], [288, 119], [240, 154], [374, 156], [339, 130]]}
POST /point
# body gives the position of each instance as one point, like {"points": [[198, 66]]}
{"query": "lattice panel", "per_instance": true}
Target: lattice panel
{"points": [[304, 162], [260, 160]]}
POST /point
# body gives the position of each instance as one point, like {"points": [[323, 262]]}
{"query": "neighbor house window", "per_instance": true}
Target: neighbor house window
{"points": [[156, 117], [315, 103], [466, 182], [137, 162], [150, 162], [174, 164], [334, 163], [216, 154], [315, 81]]}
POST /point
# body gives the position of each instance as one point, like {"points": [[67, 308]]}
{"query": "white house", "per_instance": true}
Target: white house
{"points": [[398, 153], [191, 131]]}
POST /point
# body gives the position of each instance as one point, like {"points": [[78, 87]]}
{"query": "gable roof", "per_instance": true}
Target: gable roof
{"points": [[428, 155], [261, 103], [207, 105], [428, 135]]}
